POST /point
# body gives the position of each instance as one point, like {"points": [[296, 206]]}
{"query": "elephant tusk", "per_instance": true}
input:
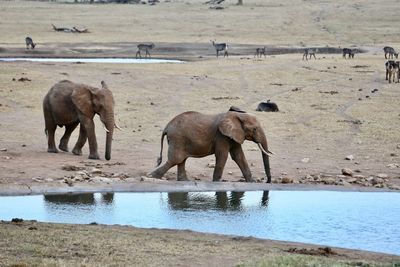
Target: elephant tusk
{"points": [[269, 153], [116, 126], [105, 128]]}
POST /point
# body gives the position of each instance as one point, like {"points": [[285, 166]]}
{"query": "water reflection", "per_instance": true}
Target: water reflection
{"points": [[80, 199], [218, 201]]}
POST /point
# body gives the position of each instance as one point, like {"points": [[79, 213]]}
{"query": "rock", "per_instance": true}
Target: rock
{"points": [[349, 157], [351, 180], [286, 180], [71, 168], [341, 176], [393, 166], [359, 177], [329, 181], [68, 181], [95, 171], [347, 172], [309, 177], [382, 175], [101, 179], [230, 173], [3, 149], [6, 157], [49, 180], [211, 164], [376, 181], [252, 164], [394, 187], [305, 160], [391, 154]]}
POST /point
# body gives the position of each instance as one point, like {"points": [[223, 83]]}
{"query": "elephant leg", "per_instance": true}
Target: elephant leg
{"points": [[64, 140], [182, 176], [238, 156], [51, 145], [91, 136], [81, 141], [160, 171], [221, 155]]}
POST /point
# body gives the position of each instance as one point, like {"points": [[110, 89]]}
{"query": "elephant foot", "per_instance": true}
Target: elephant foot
{"points": [[52, 150], [77, 152], [94, 156], [155, 175], [184, 178], [63, 147]]}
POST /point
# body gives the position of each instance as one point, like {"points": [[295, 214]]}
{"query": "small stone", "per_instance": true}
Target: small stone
{"points": [[49, 180], [393, 166], [394, 187], [376, 181], [329, 181], [6, 157], [211, 164], [252, 164], [68, 181], [351, 180], [305, 160], [347, 172], [230, 173], [345, 183], [309, 177], [286, 180], [95, 171], [359, 176], [349, 157], [3, 149], [393, 155], [341, 176], [382, 175]]}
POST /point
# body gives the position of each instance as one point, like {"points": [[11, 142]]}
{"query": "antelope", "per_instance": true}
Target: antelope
{"points": [[392, 67], [390, 50], [309, 52], [220, 47], [350, 52], [29, 42], [260, 52], [144, 47]]}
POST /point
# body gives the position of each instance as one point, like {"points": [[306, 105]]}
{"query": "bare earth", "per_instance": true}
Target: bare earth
{"points": [[329, 107]]}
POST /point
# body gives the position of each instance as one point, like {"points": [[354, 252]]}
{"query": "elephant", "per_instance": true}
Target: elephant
{"points": [[69, 104], [193, 134]]}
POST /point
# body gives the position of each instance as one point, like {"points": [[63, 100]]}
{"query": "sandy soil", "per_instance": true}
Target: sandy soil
{"points": [[329, 107]]}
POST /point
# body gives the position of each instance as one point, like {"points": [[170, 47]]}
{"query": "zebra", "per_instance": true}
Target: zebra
{"points": [[260, 52], [350, 52], [220, 47], [309, 52], [392, 68], [390, 50], [29, 42], [144, 47]]}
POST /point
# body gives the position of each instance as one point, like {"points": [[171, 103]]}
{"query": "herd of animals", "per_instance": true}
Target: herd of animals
{"points": [[190, 134]]}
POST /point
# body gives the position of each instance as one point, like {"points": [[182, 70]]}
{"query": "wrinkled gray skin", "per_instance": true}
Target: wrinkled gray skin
{"points": [[192, 134], [69, 104]]}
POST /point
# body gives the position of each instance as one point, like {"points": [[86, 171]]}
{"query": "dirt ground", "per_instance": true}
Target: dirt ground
{"points": [[330, 107]]}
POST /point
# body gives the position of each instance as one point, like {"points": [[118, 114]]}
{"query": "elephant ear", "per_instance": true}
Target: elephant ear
{"points": [[231, 127], [82, 97]]}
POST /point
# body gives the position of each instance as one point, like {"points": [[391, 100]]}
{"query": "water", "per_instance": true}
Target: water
{"points": [[367, 221], [95, 60]]}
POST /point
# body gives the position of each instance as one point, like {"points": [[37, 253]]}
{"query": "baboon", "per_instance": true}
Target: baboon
{"points": [[260, 52], [392, 68], [144, 47], [220, 47], [349, 52], [267, 106], [309, 52], [390, 51], [29, 42]]}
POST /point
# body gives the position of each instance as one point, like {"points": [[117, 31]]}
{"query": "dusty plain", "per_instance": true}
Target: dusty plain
{"points": [[329, 107]]}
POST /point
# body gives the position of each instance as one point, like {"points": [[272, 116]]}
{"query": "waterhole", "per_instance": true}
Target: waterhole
{"points": [[357, 220]]}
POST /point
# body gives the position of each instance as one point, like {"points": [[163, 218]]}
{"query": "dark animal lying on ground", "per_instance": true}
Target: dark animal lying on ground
{"points": [[267, 106], [390, 51], [29, 43], [392, 68], [349, 52]]}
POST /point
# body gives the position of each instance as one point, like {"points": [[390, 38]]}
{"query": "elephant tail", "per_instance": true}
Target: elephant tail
{"points": [[159, 160]]}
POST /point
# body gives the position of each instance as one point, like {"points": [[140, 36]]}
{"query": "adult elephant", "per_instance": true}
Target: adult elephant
{"points": [[69, 104], [192, 134]]}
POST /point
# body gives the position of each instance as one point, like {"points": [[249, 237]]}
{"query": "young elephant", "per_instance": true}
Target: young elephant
{"points": [[69, 104], [192, 134]]}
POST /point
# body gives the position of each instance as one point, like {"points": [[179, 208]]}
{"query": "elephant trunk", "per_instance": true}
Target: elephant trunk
{"points": [[109, 123], [264, 152]]}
